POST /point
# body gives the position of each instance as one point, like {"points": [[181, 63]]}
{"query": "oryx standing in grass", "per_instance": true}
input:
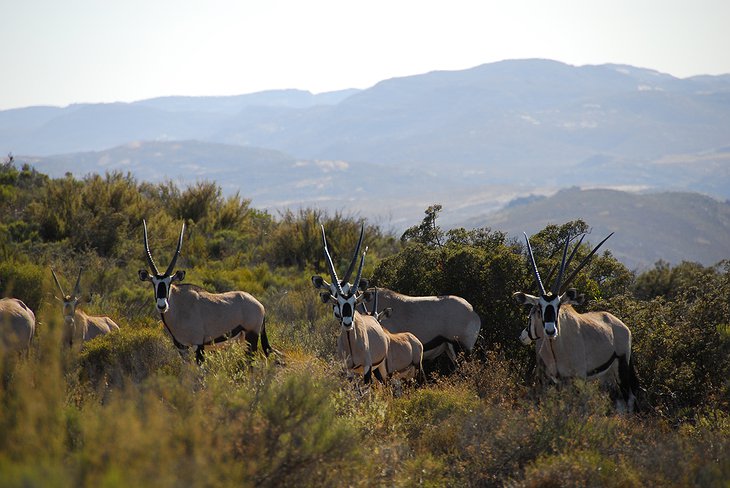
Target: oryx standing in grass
{"points": [[578, 345], [17, 325], [79, 326], [443, 324], [196, 318], [363, 343]]}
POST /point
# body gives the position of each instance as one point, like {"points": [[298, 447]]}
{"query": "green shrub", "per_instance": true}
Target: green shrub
{"points": [[22, 280], [578, 468], [131, 353]]}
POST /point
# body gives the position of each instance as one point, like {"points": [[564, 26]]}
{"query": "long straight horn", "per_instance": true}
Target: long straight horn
{"points": [[359, 271], [346, 278], [330, 265], [534, 266], [58, 284], [171, 268], [147, 252], [556, 285], [582, 264], [77, 287], [567, 263]]}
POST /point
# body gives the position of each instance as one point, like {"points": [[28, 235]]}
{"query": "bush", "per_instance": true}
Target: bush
{"points": [[131, 353], [22, 280]]}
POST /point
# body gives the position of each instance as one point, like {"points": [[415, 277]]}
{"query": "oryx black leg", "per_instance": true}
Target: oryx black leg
{"points": [[252, 338], [199, 358], [368, 378], [379, 376]]}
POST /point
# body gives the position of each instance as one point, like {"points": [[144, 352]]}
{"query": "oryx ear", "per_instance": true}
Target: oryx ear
{"points": [[325, 296], [386, 313], [572, 297], [319, 283], [179, 275], [143, 275], [86, 298], [363, 284], [367, 295], [525, 299]]}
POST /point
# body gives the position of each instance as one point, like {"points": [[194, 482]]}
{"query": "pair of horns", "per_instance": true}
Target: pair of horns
{"points": [[559, 286], [330, 265], [148, 254], [77, 287]]}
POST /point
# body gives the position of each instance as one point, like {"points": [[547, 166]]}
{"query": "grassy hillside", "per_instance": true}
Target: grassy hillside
{"points": [[127, 410], [672, 226]]}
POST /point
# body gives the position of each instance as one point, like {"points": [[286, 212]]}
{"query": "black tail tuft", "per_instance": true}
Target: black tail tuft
{"points": [[265, 340], [634, 381]]}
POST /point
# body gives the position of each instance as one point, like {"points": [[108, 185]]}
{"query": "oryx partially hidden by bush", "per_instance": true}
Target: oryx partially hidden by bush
{"points": [[363, 343], [443, 324], [578, 345], [196, 318], [79, 326], [17, 325]]}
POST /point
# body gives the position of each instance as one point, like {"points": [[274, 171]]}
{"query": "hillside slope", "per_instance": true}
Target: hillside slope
{"points": [[672, 226]]}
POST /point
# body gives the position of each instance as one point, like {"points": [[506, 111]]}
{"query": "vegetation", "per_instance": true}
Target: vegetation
{"points": [[127, 410]]}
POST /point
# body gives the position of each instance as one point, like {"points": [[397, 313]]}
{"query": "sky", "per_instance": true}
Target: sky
{"points": [[59, 52]]}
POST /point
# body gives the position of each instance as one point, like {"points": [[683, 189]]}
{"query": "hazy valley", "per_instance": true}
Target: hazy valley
{"points": [[472, 140]]}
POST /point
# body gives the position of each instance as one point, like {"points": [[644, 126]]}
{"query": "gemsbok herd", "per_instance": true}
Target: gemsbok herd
{"points": [[382, 333]]}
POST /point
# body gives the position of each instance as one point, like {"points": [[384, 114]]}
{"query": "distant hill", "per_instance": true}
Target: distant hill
{"points": [[536, 122], [272, 179], [672, 226]]}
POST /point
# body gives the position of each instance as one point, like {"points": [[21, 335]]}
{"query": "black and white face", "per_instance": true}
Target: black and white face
{"points": [[545, 312], [161, 284], [343, 304]]}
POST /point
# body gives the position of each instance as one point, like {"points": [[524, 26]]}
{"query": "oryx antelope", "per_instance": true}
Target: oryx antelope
{"points": [[196, 318], [17, 325], [365, 346], [80, 327], [578, 345], [443, 324]]}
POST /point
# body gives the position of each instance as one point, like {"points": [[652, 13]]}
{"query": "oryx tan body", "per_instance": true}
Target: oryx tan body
{"points": [[574, 345], [588, 346], [197, 317], [81, 327], [363, 343], [441, 323], [369, 345], [86, 327], [17, 325]]}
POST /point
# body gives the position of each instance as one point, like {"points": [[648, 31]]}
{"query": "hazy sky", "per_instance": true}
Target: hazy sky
{"points": [[58, 52]]}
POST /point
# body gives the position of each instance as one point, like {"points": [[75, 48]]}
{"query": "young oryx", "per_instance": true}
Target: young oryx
{"points": [[81, 327], [442, 323], [17, 325], [197, 318], [574, 345], [363, 343]]}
